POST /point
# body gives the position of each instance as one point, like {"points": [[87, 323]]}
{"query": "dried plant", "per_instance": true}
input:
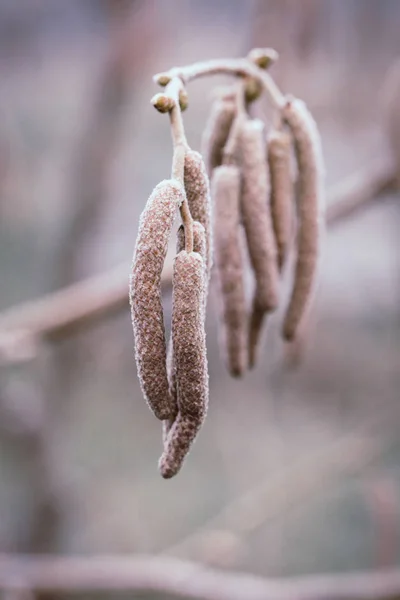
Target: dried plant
{"points": [[257, 224], [177, 388], [309, 210], [190, 358], [281, 199], [145, 293], [225, 189]]}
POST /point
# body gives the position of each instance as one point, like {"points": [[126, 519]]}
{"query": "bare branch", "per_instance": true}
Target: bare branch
{"points": [[188, 579]]}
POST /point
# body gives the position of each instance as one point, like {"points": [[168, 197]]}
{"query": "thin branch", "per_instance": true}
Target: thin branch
{"points": [[66, 311], [241, 67], [188, 579]]}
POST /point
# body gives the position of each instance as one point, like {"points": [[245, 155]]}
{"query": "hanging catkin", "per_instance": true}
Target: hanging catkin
{"points": [[308, 153], [225, 191], [258, 227], [190, 356], [197, 186], [216, 132], [145, 294], [199, 246], [255, 213], [281, 199]]}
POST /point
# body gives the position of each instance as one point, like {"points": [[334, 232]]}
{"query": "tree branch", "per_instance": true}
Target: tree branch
{"points": [[187, 579]]}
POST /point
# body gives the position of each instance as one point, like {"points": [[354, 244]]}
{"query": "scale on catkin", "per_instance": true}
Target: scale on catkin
{"points": [[309, 205], [190, 359], [225, 191], [176, 387], [155, 228]]}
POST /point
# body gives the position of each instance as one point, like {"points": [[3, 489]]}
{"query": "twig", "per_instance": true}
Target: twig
{"points": [[66, 311], [188, 579]]}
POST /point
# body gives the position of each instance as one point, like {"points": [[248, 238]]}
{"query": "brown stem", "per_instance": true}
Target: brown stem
{"points": [[240, 67]]}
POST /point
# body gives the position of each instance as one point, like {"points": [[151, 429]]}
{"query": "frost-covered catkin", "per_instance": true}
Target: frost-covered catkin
{"points": [[217, 131], [255, 213], [257, 224], [199, 246], [145, 293], [197, 186], [281, 198], [190, 356], [225, 191], [310, 210]]}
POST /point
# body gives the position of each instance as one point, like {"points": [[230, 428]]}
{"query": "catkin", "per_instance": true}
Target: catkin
{"points": [[309, 205], [197, 186], [217, 131], [199, 246], [279, 160], [258, 228], [391, 106], [145, 293], [255, 213], [190, 356], [225, 191]]}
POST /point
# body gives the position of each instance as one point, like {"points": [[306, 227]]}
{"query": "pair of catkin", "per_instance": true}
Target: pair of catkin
{"points": [[176, 390]]}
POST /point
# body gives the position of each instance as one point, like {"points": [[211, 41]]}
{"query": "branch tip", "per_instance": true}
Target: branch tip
{"points": [[163, 103]]}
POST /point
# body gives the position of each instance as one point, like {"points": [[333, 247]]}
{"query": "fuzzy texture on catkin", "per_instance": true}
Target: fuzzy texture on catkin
{"points": [[190, 356], [199, 246], [281, 198], [197, 186], [258, 228], [225, 191], [310, 210], [217, 131], [145, 293]]}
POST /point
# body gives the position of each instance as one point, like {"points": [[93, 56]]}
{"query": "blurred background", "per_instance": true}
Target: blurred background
{"points": [[296, 470]]}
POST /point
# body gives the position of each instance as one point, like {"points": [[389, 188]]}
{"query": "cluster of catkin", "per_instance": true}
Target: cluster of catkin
{"points": [[266, 201], [174, 383], [259, 197]]}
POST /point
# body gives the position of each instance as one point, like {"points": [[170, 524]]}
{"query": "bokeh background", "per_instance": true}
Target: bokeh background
{"points": [[297, 469]]}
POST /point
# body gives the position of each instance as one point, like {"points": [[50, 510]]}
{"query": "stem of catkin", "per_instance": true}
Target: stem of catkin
{"points": [[310, 210], [281, 198], [190, 356], [225, 191], [155, 227]]}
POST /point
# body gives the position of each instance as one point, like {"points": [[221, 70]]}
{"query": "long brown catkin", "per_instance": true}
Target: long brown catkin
{"points": [[281, 198], [190, 356], [145, 294], [258, 228], [310, 210], [225, 191], [216, 132], [197, 186], [199, 246]]}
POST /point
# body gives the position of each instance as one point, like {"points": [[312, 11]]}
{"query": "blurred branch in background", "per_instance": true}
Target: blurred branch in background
{"points": [[187, 579]]}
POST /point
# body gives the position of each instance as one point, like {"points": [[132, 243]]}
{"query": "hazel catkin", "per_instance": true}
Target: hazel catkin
{"points": [[190, 356], [145, 293], [199, 246], [281, 198], [257, 224], [309, 207], [225, 191], [197, 186], [216, 132]]}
